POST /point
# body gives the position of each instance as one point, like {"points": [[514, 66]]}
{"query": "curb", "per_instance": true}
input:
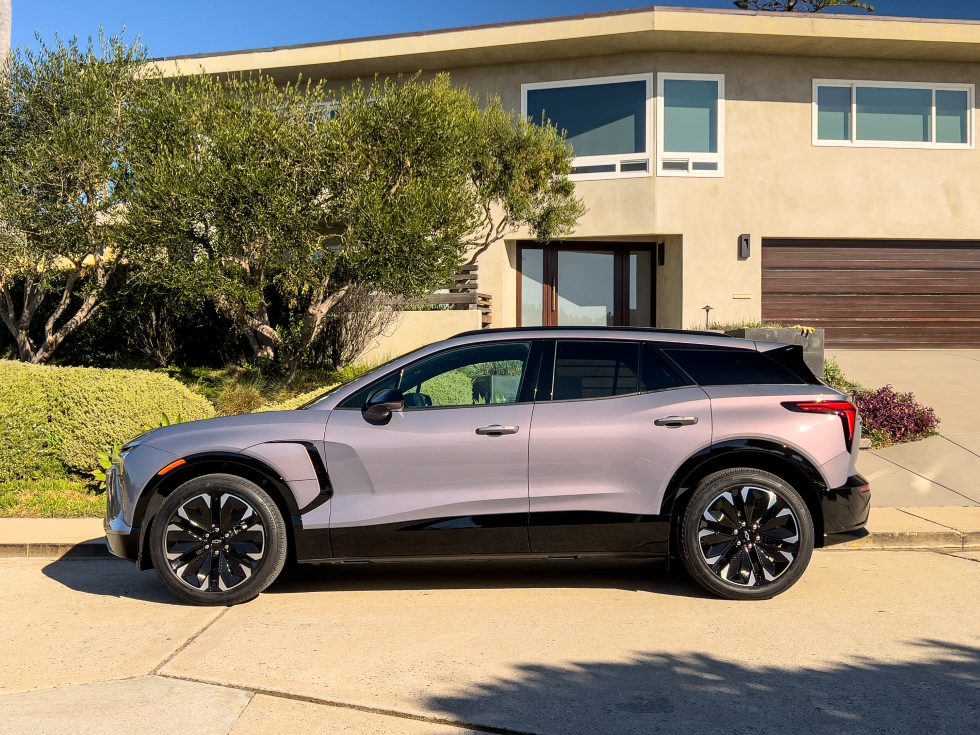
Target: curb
{"points": [[875, 540], [94, 549]]}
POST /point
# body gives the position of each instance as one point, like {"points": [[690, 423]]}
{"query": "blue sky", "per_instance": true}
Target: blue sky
{"points": [[172, 27]]}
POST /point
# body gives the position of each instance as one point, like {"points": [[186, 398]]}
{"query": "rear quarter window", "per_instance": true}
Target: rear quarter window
{"points": [[732, 367]]}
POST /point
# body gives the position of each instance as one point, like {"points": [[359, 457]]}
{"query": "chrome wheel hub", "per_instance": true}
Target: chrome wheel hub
{"points": [[749, 536], [214, 541]]}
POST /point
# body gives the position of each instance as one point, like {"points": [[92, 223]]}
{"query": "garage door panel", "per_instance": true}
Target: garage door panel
{"points": [[867, 282], [876, 293]]}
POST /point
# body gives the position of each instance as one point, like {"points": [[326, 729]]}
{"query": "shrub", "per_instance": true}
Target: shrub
{"points": [[296, 401], [55, 420], [450, 389], [236, 398], [835, 378], [895, 417]]}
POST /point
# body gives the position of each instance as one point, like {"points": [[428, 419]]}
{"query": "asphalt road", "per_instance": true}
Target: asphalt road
{"points": [[867, 642]]}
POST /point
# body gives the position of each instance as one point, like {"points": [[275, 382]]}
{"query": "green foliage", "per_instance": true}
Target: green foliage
{"points": [[297, 401], [105, 461], [263, 201], [55, 420], [238, 398], [69, 117], [835, 378], [802, 6], [49, 498], [454, 388]]}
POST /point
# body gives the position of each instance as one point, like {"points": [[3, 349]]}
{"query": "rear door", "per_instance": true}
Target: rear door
{"points": [[619, 422]]}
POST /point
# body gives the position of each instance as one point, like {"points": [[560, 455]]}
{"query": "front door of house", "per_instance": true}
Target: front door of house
{"points": [[586, 285]]}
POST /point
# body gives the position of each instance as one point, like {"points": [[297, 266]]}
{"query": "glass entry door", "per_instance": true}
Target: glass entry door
{"points": [[587, 285]]}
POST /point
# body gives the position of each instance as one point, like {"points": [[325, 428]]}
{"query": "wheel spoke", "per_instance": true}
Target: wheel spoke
{"points": [[748, 536], [215, 541]]}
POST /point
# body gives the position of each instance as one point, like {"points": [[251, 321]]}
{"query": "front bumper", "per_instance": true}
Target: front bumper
{"points": [[846, 508], [122, 539]]}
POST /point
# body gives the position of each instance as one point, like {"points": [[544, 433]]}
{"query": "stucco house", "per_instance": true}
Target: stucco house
{"points": [[807, 169]]}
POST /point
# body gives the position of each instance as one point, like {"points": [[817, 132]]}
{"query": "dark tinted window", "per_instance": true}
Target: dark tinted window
{"points": [[732, 367], [655, 372], [360, 398], [595, 369]]}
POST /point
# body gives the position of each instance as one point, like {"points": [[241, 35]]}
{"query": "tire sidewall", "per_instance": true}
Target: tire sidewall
{"points": [[707, 490], [275, 538]]}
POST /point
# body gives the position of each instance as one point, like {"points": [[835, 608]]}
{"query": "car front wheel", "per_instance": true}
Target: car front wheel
{"points": [[746, 534], [218, 540]]}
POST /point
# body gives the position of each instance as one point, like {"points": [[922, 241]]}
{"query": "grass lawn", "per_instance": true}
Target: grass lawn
{"points": [[54, 498]]}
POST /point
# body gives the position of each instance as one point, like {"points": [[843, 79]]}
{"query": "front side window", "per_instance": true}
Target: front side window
{"points": [[691, 131], [893, 114], [480, 375], [607, 121]]}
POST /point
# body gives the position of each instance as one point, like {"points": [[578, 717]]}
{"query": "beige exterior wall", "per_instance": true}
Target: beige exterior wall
{"points": [[776, 182], [414, 329]]}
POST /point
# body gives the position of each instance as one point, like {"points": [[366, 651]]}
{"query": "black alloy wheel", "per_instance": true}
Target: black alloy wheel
{"points": [[218, 540], [746, 534]]}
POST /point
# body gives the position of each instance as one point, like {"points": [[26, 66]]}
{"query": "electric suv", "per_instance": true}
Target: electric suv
{"points": [[512, 443]]}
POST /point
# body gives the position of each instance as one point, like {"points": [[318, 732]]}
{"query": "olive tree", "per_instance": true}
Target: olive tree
{"points": [[803, 6], [67, 118], [278, 199]]}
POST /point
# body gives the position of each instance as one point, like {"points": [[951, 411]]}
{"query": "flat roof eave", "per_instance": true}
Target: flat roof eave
{"points": [[648, 29]]}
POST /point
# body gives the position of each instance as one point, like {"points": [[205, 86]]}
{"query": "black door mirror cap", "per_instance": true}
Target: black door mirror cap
{"points": [[380, 406]]}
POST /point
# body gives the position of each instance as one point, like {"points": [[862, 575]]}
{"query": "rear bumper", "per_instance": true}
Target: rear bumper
{"points": [[846, 508]]}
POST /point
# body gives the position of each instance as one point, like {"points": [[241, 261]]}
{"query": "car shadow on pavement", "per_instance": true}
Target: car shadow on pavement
{"points": [[108, 577], [934, 689], [634, 575]]}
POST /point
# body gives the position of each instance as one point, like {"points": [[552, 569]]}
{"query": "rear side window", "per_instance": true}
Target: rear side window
{"points": [[595, 370], [656, 373], [732, 367]]}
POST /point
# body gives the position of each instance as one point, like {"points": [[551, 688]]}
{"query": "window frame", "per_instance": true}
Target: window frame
{"points": [[690, 158], [617, 159], [853, 84]]}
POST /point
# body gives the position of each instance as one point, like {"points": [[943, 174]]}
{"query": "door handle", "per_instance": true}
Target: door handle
{"points": [[676, 421], [496, 430]]}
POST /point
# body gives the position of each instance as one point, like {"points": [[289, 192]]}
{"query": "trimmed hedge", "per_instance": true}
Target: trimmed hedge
{"points": [[55, 420], [450, 389], [296, 401]]}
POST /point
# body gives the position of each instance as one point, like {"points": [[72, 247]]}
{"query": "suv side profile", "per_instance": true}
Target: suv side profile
{"points": [[527, 443]]}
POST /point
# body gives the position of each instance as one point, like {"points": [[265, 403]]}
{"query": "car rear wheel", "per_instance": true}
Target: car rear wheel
{"points": [[746, 534], [218, 540]]}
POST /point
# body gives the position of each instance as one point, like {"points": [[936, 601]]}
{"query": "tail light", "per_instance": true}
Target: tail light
{"points": [[844, 409]]}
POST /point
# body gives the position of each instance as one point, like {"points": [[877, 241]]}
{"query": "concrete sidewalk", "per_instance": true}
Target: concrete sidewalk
{"points": [[942, 470], [888, 528]]}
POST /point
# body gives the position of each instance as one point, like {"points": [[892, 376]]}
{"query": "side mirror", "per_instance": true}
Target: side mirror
{"points": [[379, 406]]}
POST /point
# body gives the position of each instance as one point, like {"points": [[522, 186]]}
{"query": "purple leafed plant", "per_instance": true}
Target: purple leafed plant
{"points": [[897, 414]]}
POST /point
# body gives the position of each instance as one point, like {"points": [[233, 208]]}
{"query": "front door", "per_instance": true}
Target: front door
{"points": [[586, 285], [448, 474], [619, 423]]}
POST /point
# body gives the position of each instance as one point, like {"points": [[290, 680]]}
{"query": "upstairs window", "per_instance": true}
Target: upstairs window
{"points": [[892, 114], [690, 136], [607, 120]]}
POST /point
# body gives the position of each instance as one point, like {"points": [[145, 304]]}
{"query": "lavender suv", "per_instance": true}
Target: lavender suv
{"points": [[511, 443]]}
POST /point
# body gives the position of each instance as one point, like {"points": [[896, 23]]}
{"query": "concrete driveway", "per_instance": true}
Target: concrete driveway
{"points": [[867, 642], [939, 471]]}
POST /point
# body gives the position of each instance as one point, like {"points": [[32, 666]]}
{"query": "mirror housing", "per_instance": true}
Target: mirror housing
{"points": [[380, 406]]}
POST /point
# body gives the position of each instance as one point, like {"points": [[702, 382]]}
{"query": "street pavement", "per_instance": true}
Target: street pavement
{"points": [[867, 642]]}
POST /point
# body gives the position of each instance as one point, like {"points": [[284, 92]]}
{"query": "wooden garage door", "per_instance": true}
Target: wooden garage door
{"points": [[876, 293]]}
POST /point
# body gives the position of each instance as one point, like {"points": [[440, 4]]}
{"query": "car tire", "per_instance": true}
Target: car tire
{"points": [[218, 539], [746, 534]]}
